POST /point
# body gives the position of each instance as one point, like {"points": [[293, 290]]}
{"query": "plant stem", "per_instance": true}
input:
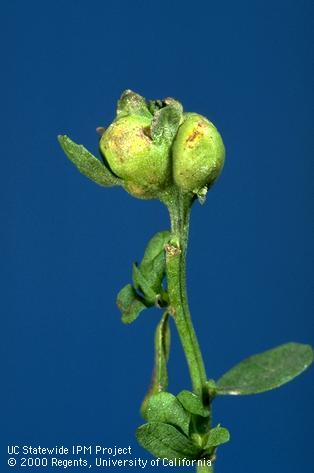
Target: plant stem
{"points": [[179, 206], [204, 469]]}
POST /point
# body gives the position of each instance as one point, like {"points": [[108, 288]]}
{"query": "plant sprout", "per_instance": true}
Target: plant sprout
{"points": [[153, 149]]}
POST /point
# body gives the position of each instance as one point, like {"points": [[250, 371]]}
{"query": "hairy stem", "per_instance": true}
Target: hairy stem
{"points": [[179, 206]]}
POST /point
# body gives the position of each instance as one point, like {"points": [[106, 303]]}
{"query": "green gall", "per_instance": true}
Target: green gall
{"points": [[152, 147], [198, 154], [133, 156]]}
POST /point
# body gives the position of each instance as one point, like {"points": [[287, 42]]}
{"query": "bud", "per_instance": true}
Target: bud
{"points": [[198, 154]]}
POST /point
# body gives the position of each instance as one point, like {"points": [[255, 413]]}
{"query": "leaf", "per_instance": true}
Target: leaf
{"points": [[165, 407], [217, 436], [87, 164], [130, 304], [131, 103], [141, 283], [192, 403], [154, 106], [162, 349], [165, 441], [267, 370], [153, 265], [166, 122], [148, 279], [162, 352]]}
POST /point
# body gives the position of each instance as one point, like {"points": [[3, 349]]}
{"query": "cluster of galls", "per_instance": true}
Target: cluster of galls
{"points": [[153, 145]]}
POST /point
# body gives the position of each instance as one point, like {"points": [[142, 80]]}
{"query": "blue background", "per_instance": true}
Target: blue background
{"points": [[72, 372]]}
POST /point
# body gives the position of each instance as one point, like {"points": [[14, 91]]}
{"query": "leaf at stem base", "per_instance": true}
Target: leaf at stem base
{"points": [[165, 441]]}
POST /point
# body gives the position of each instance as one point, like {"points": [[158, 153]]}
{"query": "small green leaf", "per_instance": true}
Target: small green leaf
{"points": [[154, 106], [131, 103], [141, 283], [217, 436], [130, 304], [165, 441], [192, 403], [153, 265], [166, 122], [267, 370], [165, 407], [162, 352], [148, 279], [162, 349], [87, 164]]}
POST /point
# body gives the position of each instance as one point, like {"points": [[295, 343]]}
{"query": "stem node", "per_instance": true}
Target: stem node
{"points": [[172, 250]]}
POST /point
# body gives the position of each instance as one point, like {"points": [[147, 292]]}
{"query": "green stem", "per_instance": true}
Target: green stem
{"points": [[179, 206], [204, 469]]}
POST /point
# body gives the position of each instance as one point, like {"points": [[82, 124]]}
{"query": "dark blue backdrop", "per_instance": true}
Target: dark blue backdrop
{"points": [[72, 373]]}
